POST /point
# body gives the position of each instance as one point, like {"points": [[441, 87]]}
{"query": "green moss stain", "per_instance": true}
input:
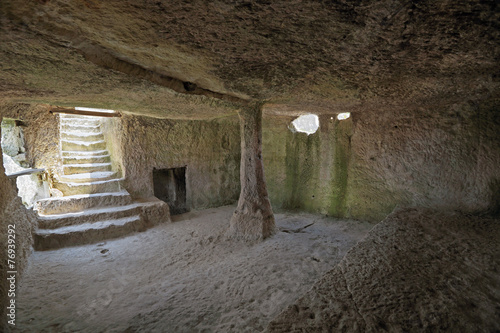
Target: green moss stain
{"points": [[302, 164], [307, 172], [340, 167], [292, 174], [274, 141], [310, 172]]}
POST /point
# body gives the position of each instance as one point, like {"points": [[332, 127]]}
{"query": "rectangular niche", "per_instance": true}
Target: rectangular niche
{"points": [[170, 186]]}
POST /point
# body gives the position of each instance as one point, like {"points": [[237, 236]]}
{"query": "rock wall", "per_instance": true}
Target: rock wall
{"points": [[12, 212], [307, 172], [209, 149], [41, 133], [443, 157]]}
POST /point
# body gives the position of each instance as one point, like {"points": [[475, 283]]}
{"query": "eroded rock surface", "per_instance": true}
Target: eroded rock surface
{"points": [[418, 270], [210, 151], [13, 213], [419, 77], [311, 53], [253, 218]]}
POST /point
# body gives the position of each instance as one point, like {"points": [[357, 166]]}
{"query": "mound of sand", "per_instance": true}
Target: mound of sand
{"points": [[416, 271]]}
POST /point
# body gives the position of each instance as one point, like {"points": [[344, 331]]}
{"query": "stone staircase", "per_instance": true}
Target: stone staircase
{"points": [[94, 206]]}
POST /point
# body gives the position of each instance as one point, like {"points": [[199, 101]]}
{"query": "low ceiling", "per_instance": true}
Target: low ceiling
{"points": [[204, 59]]}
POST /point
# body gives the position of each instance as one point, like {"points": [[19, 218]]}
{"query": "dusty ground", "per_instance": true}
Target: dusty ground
{"points": [[181, 277], [418, 270]]}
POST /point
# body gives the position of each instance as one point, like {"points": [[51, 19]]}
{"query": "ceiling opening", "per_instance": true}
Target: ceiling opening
{"points": [[308, 123], [344, 115], [79, 108]]}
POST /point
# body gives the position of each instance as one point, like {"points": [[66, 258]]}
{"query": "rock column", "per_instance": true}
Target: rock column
{"points": [[253, 219]]}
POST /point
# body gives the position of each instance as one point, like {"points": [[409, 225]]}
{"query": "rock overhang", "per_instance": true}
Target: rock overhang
{"points": [[331, 57]]}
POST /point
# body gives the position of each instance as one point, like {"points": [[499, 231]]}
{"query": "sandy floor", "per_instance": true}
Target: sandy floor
{"points": [[419, 270], [181, 277]]}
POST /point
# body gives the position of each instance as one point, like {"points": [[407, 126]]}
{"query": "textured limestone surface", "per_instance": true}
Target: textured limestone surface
{"points": [[307, 172], [421, 79], [154, 211], [210, 151], [80, 202], [12, 138], [45, 71], [443, 157], [253, 219], [309, 54], [183, 276], [41, 133], [12, 212], [417, 271], [94, 225]]}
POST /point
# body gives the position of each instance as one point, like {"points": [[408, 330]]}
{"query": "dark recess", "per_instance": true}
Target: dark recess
{"points": [[189, 86], [170, 186]]}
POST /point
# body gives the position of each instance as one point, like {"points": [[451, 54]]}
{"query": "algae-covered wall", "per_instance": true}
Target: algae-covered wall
{"points": [[444, 157], [210, 150], [307, 172]]}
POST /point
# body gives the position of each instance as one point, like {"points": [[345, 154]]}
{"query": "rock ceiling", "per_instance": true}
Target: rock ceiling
{"points": [[203, 59]]}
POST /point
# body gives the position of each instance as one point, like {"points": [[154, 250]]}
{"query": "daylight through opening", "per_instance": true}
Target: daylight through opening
{"points": [[344, 115], [29, 181], [308, 124]]}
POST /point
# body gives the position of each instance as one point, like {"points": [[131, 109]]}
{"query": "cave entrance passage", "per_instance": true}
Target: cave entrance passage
{"points": [[170, 186]]}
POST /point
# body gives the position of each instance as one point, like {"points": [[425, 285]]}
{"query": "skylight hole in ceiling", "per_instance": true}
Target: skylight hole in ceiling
{"points": [[308, 123], [343, 116]]}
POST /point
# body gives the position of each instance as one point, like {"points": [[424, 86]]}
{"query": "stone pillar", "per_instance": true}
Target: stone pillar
{"points": [[253, 219]]}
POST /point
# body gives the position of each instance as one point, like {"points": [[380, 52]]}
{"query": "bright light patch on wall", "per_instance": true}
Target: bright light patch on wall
{"points": [[96, 110], [342, 116], [30, 188], [308, 123]]}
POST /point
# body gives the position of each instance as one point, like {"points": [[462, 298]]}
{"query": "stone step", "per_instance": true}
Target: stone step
{"points": [[82, 153], [81, 120], [68, 116], [73, 188], [78, 121], [76, 203], [70, 169], [83, 145], [54, 221], [86, 159], [82, 136], [88, 177], [80, 128], [154, 211], [86, 233]]}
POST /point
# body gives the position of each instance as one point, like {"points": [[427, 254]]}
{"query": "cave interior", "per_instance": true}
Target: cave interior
{"points": [[278, 166]]}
